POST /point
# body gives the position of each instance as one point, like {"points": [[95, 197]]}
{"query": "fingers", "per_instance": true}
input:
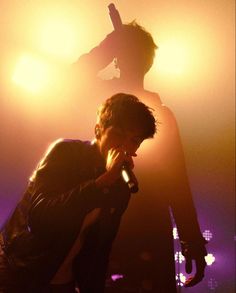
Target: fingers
{"points": [[117, 154], [200, 269], [192, 281], [117, 157], [123, 153]]}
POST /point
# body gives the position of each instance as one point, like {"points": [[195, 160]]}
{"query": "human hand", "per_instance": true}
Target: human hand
{"points": [[116, 158], [200, 264], [194, 252], [110, 45]]}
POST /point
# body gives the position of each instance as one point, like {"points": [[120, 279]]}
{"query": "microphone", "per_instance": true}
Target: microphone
{"points": [[115, 17], [128, 176]]}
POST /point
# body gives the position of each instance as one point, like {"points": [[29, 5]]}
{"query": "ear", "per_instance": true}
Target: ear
{"points": [[97, 131]]}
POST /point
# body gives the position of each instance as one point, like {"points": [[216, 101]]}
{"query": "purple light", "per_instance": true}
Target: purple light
{"points": [[181, 279], [212, 284], [116, 277], [179, 258], [210, 259], [207, 235], [175, 233]]}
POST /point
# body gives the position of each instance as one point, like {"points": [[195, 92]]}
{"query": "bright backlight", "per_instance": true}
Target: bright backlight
{"points": [[210, 259], [59, 38], [31, 73], [173, 56]]}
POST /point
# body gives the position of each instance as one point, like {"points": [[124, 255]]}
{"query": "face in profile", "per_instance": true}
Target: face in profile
{"points": [[116, 137]]}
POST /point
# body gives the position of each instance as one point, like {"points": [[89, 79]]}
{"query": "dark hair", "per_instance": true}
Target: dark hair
{"points": [[137, 34], [138, 45], [127, 112]]}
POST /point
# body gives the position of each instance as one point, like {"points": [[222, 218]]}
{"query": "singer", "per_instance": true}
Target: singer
{"points": [[60, 235]]}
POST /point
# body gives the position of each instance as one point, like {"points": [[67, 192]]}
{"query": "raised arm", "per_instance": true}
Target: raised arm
{"points": [[99, 57]]}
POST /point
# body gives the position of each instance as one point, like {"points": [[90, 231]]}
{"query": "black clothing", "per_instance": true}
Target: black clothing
{"points": [[164, 191], [46, 222], [164, 196]]}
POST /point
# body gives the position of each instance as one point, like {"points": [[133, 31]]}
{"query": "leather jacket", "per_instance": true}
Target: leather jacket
{"points": [[47, 220]]}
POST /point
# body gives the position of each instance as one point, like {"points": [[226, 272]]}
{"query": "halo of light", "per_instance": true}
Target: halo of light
{"points": [[210, 259], [58, 37], [173, 56], [31, 73]]}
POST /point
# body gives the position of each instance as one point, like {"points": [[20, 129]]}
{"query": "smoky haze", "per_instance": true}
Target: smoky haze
{"points": [[193, 73]]}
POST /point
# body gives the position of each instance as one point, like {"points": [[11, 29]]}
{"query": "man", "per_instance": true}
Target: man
{"points": [[149, 266], [61, 232]]}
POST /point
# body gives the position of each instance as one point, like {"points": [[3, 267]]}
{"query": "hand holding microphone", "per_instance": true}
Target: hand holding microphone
{"points": [[118, 164], [103, 54], [126, 171], [115, 17], [129, 177]]}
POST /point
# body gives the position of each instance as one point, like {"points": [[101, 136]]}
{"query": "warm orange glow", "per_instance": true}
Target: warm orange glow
{"points": [[31, 73], [58, 37], [173, 56]]}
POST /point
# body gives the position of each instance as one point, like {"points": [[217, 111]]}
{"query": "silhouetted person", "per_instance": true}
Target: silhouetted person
{"points": [[144, 250], [61, 232]]}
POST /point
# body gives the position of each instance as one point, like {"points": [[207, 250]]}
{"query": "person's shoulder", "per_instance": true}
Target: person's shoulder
{"points": [[153, 95], [151, 99], [67, 145], [68, 142], [162, 110]]}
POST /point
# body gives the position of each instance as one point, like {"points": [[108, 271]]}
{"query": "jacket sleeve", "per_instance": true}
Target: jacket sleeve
{"points": [[59, 196], [100, 56], [179, 192], [92, 262]]}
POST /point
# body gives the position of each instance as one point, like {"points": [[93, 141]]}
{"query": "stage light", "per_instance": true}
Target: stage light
{"points": [[181, 279], [207, 235], [31, 73], [173, 56], [175, 233], [179, 258], [116, 277], [210, 259], [58, 37]]}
